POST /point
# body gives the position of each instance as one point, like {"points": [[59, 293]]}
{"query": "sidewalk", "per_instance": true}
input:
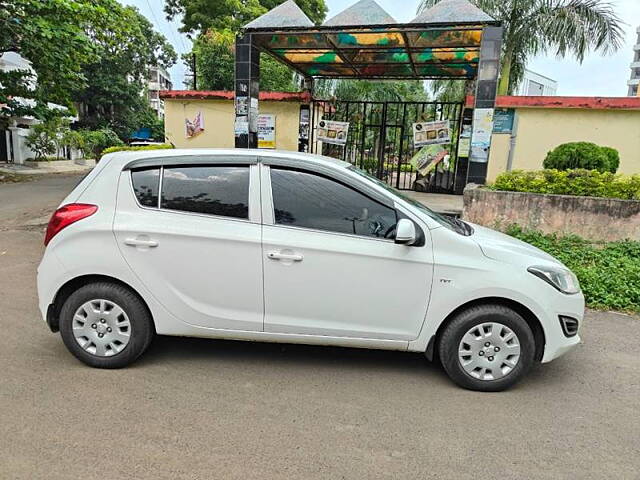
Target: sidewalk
{"points": [[49, 168], [439, 202]]}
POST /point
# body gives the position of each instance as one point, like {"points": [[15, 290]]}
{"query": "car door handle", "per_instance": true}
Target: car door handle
{"points": [[138, 242], [292, 257]]}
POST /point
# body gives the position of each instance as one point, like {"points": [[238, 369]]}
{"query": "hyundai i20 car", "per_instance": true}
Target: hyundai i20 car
{"points": [[295, 248]]}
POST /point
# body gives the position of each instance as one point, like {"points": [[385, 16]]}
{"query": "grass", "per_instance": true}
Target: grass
{"points": [[609, 272]]}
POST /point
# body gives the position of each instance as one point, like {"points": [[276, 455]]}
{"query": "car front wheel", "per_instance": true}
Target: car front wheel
{"points": [[105, 325], [487, 348]]}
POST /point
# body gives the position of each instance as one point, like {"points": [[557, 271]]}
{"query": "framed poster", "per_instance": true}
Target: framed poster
{"points": [[266, 131], [333, 132], [431, 133]]}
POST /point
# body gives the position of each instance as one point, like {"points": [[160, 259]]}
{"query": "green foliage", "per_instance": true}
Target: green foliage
{"points": [[41, 140], [585, 155], [609, 273], [215, 63], [372, 91], [613, 158], [51, 34], [202, 15], [126, 46], [587, 183], [162, 146], [96, 141], [562, 27]]}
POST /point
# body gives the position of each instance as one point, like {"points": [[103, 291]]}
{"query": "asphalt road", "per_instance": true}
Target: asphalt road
{"points": [[204, 409]]}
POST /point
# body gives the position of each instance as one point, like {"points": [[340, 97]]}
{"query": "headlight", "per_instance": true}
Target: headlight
{"points": [[560, 278]]}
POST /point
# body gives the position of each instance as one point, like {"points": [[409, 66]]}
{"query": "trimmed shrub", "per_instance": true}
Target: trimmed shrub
{"points": [[160, 146], [584, 155], [585, 183]]}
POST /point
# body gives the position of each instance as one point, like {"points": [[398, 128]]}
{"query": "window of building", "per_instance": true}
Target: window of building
{"points": [[535, 88]]}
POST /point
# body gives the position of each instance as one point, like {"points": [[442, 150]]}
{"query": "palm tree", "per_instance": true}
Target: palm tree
{"points": [[538, 26]]}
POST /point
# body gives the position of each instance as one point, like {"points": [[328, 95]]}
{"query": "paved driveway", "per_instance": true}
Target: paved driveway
{"points": [[202, 409]]}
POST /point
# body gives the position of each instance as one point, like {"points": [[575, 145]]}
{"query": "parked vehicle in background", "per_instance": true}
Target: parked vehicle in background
{"points": [[296, 248]]}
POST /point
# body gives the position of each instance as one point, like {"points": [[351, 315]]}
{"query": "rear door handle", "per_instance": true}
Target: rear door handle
{"points": [[292, 257], [138, 242]]}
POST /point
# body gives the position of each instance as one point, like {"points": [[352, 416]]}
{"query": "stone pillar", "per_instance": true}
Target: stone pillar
{"points": [[247, 88], [485, 100]]}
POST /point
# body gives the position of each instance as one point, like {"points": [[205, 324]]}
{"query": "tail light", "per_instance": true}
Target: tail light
{"points": [[65, 216]]}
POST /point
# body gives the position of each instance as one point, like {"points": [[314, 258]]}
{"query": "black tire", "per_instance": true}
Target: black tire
{"points": [[142, 329], [464, 321]]}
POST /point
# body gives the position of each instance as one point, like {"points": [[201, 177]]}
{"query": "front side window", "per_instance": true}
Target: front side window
{"points": [[145, 186], [212, 190], [313, 201]]}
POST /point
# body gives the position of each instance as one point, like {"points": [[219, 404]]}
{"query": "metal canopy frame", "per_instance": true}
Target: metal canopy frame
{"points": [[451, 40]]}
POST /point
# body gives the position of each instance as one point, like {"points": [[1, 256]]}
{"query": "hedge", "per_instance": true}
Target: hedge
{"points": [[586, 155], [585, 183], [160, 146]]}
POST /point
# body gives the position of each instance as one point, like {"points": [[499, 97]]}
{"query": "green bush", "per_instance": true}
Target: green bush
{"points": [[160, 146], [583, 155], [586, 183], [95, 141], [609, 273]]}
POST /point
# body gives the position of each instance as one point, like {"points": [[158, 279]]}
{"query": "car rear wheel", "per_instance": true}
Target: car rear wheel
{"points": [[105, 325], [487, 348]]}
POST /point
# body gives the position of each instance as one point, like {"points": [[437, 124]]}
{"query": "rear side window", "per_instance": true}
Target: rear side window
{"points": [[145, 186], [213, 190], [313, 201]]}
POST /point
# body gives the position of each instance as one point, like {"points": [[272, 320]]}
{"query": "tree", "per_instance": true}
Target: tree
{"points": [[202, 15], [50, 34], [537, 26], [126, 45], [372, 91]]}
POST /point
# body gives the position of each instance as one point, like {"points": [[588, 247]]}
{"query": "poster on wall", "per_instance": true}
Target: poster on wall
{"points": [[333, 132], [266, 131], [242, 105], [503, 120], [481, 137], [431, 133], [194, 127]]}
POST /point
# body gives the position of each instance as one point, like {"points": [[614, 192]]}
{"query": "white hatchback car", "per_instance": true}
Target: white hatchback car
{"points": [[286, 247]]}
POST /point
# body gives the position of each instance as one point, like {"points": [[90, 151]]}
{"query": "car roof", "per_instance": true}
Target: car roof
{"points": [[142, 158]]}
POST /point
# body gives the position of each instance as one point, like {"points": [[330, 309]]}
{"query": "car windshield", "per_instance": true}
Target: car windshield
{"points": [[451, 223]]}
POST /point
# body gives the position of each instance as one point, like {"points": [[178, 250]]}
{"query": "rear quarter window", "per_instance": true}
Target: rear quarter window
{"points": [[146, 185]]}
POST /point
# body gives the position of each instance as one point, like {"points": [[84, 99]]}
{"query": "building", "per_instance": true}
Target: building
{"points": [[534, 84], [634, 81], [158, 79]]}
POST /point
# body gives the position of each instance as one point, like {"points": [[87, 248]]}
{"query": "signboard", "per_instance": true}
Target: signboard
{"points": [[431, 133], [194, 127], [429, 157], [266, 131], [481, 136], [333, 132], [503, 120]]}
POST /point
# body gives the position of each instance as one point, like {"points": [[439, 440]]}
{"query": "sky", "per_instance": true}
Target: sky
{"points": [[597, 76]]}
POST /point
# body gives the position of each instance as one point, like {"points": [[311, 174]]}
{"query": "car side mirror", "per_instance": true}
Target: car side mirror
{"points": [[406, 232]]}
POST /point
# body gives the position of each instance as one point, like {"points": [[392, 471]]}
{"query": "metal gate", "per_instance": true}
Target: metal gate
{"points": [[380, 139]]}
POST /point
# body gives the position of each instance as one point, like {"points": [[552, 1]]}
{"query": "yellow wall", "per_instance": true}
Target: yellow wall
{"points": [[219, 119], [540, 130]]}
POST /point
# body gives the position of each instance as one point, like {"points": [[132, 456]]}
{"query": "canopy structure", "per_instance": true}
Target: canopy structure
{"points": [[451, 40], [364, 41]]}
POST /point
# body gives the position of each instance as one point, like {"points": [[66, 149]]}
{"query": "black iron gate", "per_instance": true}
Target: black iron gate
{"points": [[380, 139]]}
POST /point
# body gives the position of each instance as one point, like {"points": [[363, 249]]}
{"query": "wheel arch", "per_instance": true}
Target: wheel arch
{"points": [[53, 312], [531, 319]]}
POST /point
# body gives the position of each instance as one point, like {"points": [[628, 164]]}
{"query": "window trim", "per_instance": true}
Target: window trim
{"points": [[158, 207], [270, 204]]}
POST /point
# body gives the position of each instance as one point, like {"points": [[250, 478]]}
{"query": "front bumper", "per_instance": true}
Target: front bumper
{"points": [[557, 343]]}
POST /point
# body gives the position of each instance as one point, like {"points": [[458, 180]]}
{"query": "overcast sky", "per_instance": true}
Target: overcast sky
{"points": [[597, 75]]}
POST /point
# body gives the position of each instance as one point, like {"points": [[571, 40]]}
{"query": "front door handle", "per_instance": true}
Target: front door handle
{"points": [[291, 257], [139, 242]]}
